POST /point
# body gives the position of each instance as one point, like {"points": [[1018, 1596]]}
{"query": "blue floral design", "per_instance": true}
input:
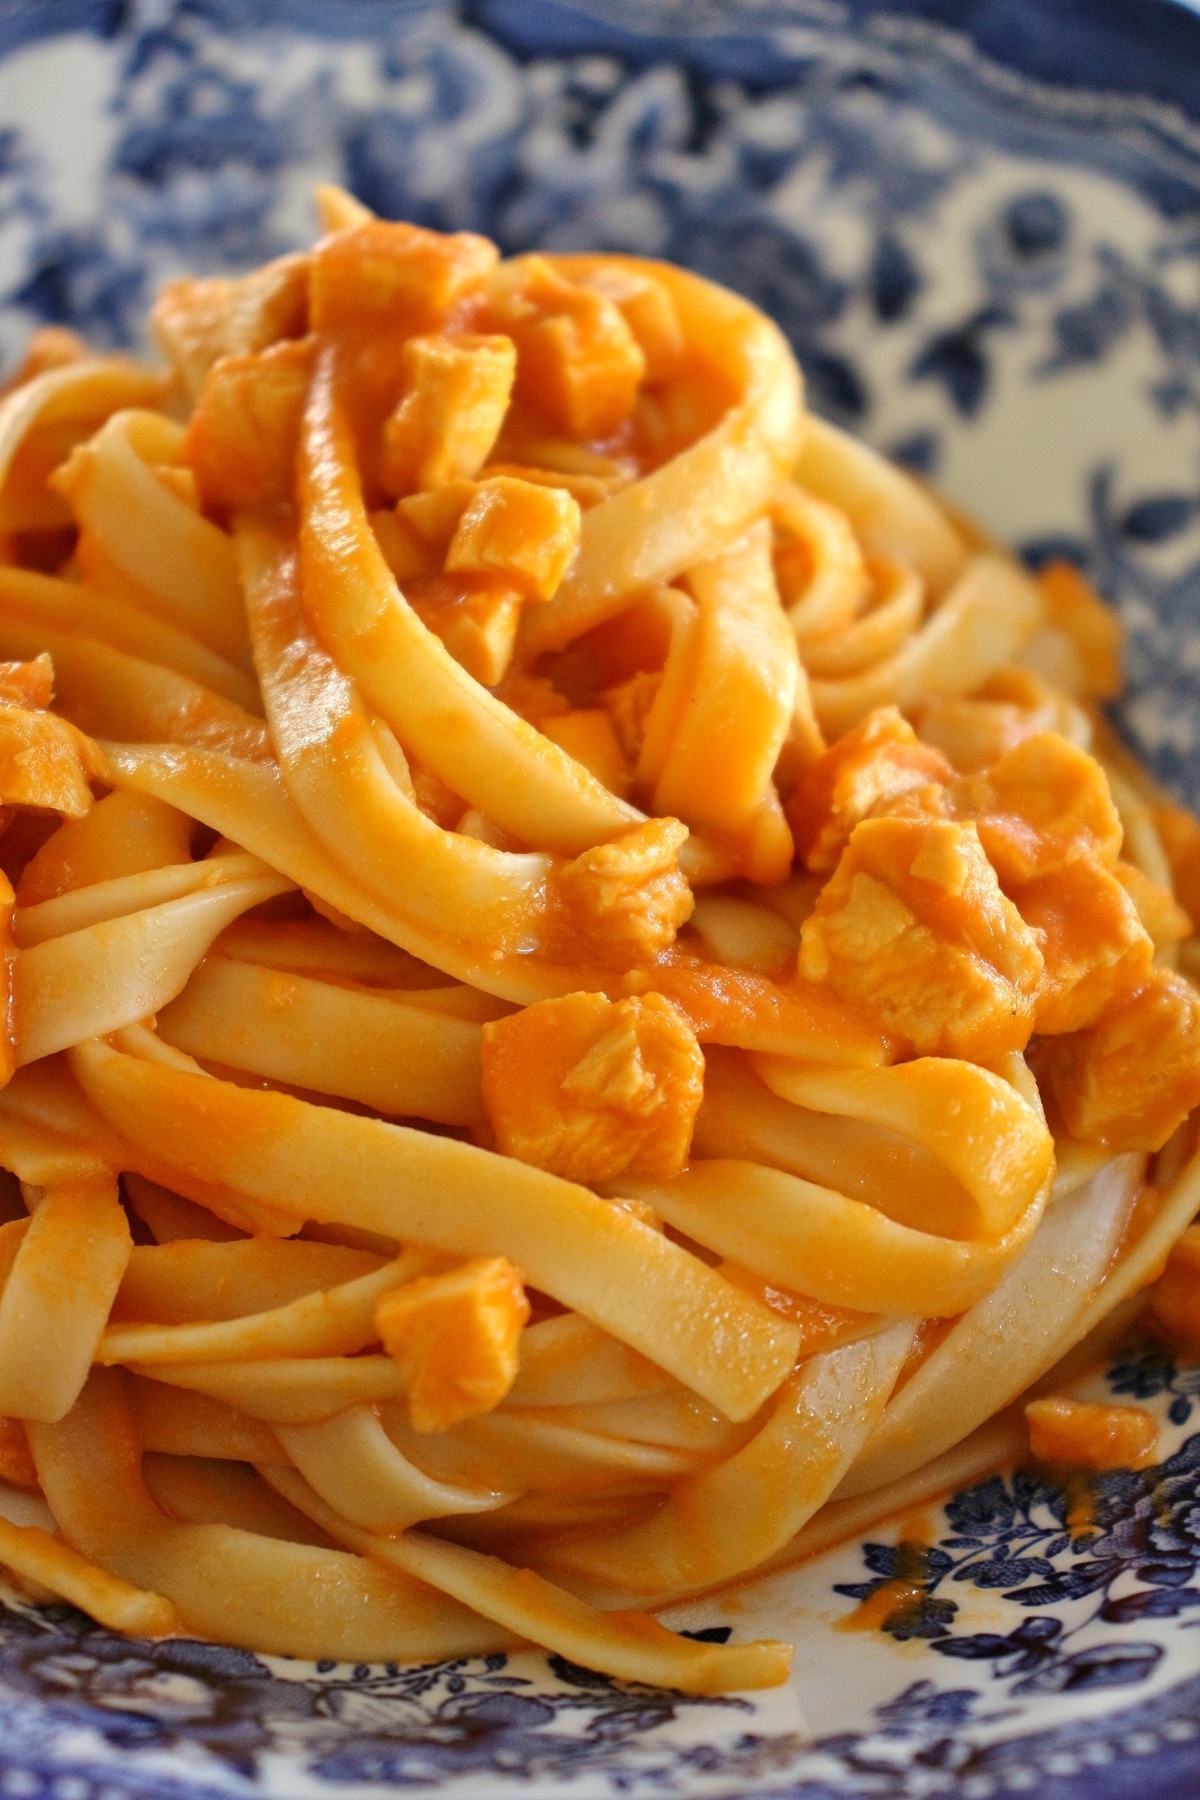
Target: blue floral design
{"points": [[368, 1723], [1147, 1368], [1024, 1536]]}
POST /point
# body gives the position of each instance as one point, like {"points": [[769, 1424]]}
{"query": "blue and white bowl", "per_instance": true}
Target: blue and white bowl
{"points": [[987, 254]]}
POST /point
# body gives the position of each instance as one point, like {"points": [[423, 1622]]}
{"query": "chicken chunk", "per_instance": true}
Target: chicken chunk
{"points": [[433, 515], [456, 395], [1091, 1437], [624, 901], [913, 927], [1042, 805], [394, 279], [591, 1088], [455, 1338], [1094, 945], [45, 762], [476, 617], [1133, 1077], [196, 322], [650, 314], [241, 439], [524, 533], [578, 363], [872, 765], [377, 285], [28, 684]]}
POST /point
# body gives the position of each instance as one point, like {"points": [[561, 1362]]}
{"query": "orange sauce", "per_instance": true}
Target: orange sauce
{"points": [[889, 1605], [1081, 1502]]}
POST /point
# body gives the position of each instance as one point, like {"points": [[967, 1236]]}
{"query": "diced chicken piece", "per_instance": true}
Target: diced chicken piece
{"points": [[1043, 805], [28, 684], [1161, 914], [1131, 1079], [591, 1088], [1090, 1437], [44, 762], [455, 1338], [590, 737], [16, 1462], [476, 618], [1179, 833], [913, 927], [1092, 629], [523, 533], [432, 517], [1094, 945], [623, 902], [456, 395], [650, 314], [578, 362], [872, 765], [1175, 1297], [395, 280], [588, 489], [241, 440], [195, 322]]}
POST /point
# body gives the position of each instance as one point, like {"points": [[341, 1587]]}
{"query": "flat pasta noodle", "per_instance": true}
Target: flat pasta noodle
{"points": [[33, 1554], [357, 1171], [57, 1295], [111, 974], [630, 1645], [336, 1321], [43, 418], [181, 563], [31, 602], [572, 909], [284, 1598], [1034, 1307], [409, 1060], [432, 704]]}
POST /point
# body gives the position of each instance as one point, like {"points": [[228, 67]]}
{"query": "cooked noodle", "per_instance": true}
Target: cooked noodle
{"points": [[584, 977]]}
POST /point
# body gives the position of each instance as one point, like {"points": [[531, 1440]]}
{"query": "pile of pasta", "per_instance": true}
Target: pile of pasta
{"points": [[589, 998]]}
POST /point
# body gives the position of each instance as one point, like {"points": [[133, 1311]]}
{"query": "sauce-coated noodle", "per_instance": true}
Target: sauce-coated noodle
{"points": [[571, 989]]}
